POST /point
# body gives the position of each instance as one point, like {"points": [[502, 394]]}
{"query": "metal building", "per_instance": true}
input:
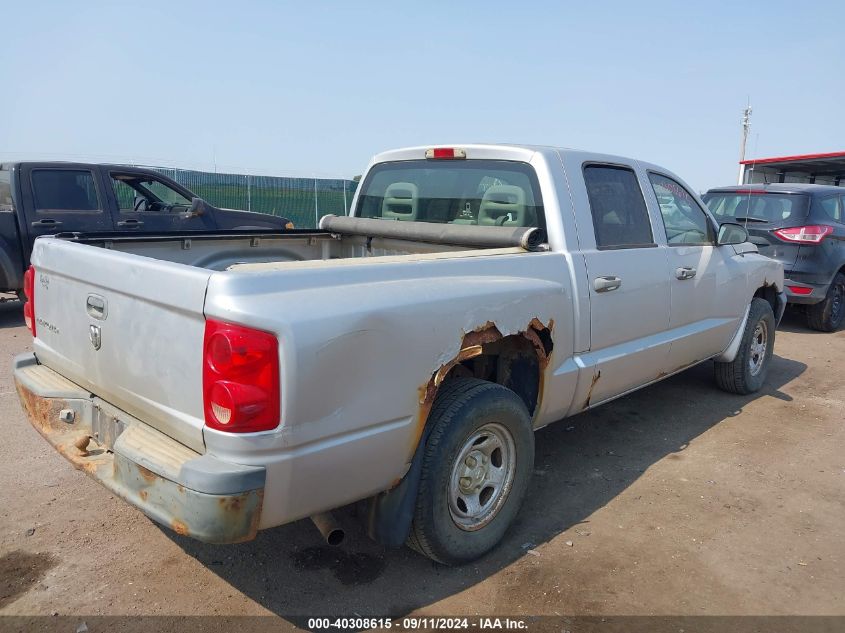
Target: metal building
{"points": [[819, 169]]}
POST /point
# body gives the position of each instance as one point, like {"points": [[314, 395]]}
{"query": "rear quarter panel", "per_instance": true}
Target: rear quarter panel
{"points": [[358, 345]]}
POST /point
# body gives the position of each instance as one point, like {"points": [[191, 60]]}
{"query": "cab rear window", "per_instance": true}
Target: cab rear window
{"points": [[475, 192]]}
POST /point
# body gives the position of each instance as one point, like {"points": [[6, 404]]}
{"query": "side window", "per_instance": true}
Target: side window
{"points": [[124, 193], [684, 220], [166, 194], [5, 190], [136, 193], [620, 216], [64, 190], [832, 207]]}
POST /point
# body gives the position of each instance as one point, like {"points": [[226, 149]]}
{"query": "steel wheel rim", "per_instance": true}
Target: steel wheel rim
{"points": [[482, 476], [759, 348]]}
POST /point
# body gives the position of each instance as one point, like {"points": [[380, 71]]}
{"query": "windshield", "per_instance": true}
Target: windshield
{"points": [[774, 208], [481, 192]]}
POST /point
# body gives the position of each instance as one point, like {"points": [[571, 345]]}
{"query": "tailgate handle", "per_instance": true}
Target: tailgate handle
{"points": [[97, 307]]}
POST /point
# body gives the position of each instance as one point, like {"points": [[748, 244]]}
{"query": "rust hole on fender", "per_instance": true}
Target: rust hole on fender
{"points": [[517, 361]]}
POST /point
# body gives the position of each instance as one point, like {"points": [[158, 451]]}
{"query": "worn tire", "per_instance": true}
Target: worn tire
{"points": [[827, 315], [737, 376], [463, 408]]}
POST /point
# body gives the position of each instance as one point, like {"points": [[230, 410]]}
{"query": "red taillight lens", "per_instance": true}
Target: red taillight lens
{"points": [[812, 234], [29, 306], [800, 290], [240, 378]]}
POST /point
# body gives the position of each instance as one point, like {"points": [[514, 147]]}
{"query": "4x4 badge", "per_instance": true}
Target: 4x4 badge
{"points": [[94, 334]]}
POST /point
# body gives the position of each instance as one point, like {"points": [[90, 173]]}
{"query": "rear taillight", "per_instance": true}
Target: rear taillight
{"points": [[29, 306], [812, 234], [240, 378]]}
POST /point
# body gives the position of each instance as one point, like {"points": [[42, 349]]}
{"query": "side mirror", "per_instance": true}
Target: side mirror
{"points": [[731, 233], [197, 208]]}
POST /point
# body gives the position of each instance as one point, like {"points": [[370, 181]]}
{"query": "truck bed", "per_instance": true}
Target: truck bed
{"points": [[146, 301], [224, 251]]}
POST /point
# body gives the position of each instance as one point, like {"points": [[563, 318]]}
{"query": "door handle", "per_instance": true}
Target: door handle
{"points": [[685, 272], [606, 284], [130, 224], [46, 223]]}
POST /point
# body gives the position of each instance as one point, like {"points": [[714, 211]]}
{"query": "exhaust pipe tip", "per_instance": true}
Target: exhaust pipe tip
{"points": [[332, 533], [335, 537]]}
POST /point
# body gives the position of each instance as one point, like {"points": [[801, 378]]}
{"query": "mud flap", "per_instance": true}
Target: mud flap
{"points": [[390, 513]]}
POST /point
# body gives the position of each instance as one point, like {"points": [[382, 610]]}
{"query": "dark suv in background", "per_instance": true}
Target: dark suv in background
{"points": [[38, 198], [802, 226]]}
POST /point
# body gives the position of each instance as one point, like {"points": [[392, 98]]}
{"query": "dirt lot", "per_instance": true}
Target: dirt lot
{"points": [[678, 499]]}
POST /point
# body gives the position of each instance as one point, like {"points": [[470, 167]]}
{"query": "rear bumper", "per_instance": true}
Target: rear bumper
{"points": [[818, 292], [195, 495]]}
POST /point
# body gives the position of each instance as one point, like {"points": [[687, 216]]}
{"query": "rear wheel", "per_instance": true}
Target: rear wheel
{"points": [[827, 315], [477, 464], [747, 372]]}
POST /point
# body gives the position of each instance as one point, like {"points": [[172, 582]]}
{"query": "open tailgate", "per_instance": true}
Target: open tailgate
{"points": [[128, 328]]}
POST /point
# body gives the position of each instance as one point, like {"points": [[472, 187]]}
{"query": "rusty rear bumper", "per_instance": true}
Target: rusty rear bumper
{"points": [[195, 495]]}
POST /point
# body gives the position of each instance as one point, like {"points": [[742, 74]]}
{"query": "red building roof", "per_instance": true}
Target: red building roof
{"points": [[800, 158]]}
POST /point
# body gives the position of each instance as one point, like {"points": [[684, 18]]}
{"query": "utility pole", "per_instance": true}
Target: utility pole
{"points": [[316, 208], [746, 128]]}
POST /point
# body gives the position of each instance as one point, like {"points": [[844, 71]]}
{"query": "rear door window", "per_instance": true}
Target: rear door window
{"points": [[68, 190], [620, 216]]}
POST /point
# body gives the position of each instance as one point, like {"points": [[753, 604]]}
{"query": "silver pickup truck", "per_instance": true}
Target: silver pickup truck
{"points": [[402, 357]]}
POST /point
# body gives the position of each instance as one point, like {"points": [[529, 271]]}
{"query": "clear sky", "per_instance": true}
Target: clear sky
{"points": [[305, 88]]}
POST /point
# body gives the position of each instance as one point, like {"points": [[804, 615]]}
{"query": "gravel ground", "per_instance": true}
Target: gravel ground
{"points": [[679, 500]]}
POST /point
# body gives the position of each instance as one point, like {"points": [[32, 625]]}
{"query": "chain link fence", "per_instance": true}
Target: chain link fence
{"points": [[302, 200]]}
